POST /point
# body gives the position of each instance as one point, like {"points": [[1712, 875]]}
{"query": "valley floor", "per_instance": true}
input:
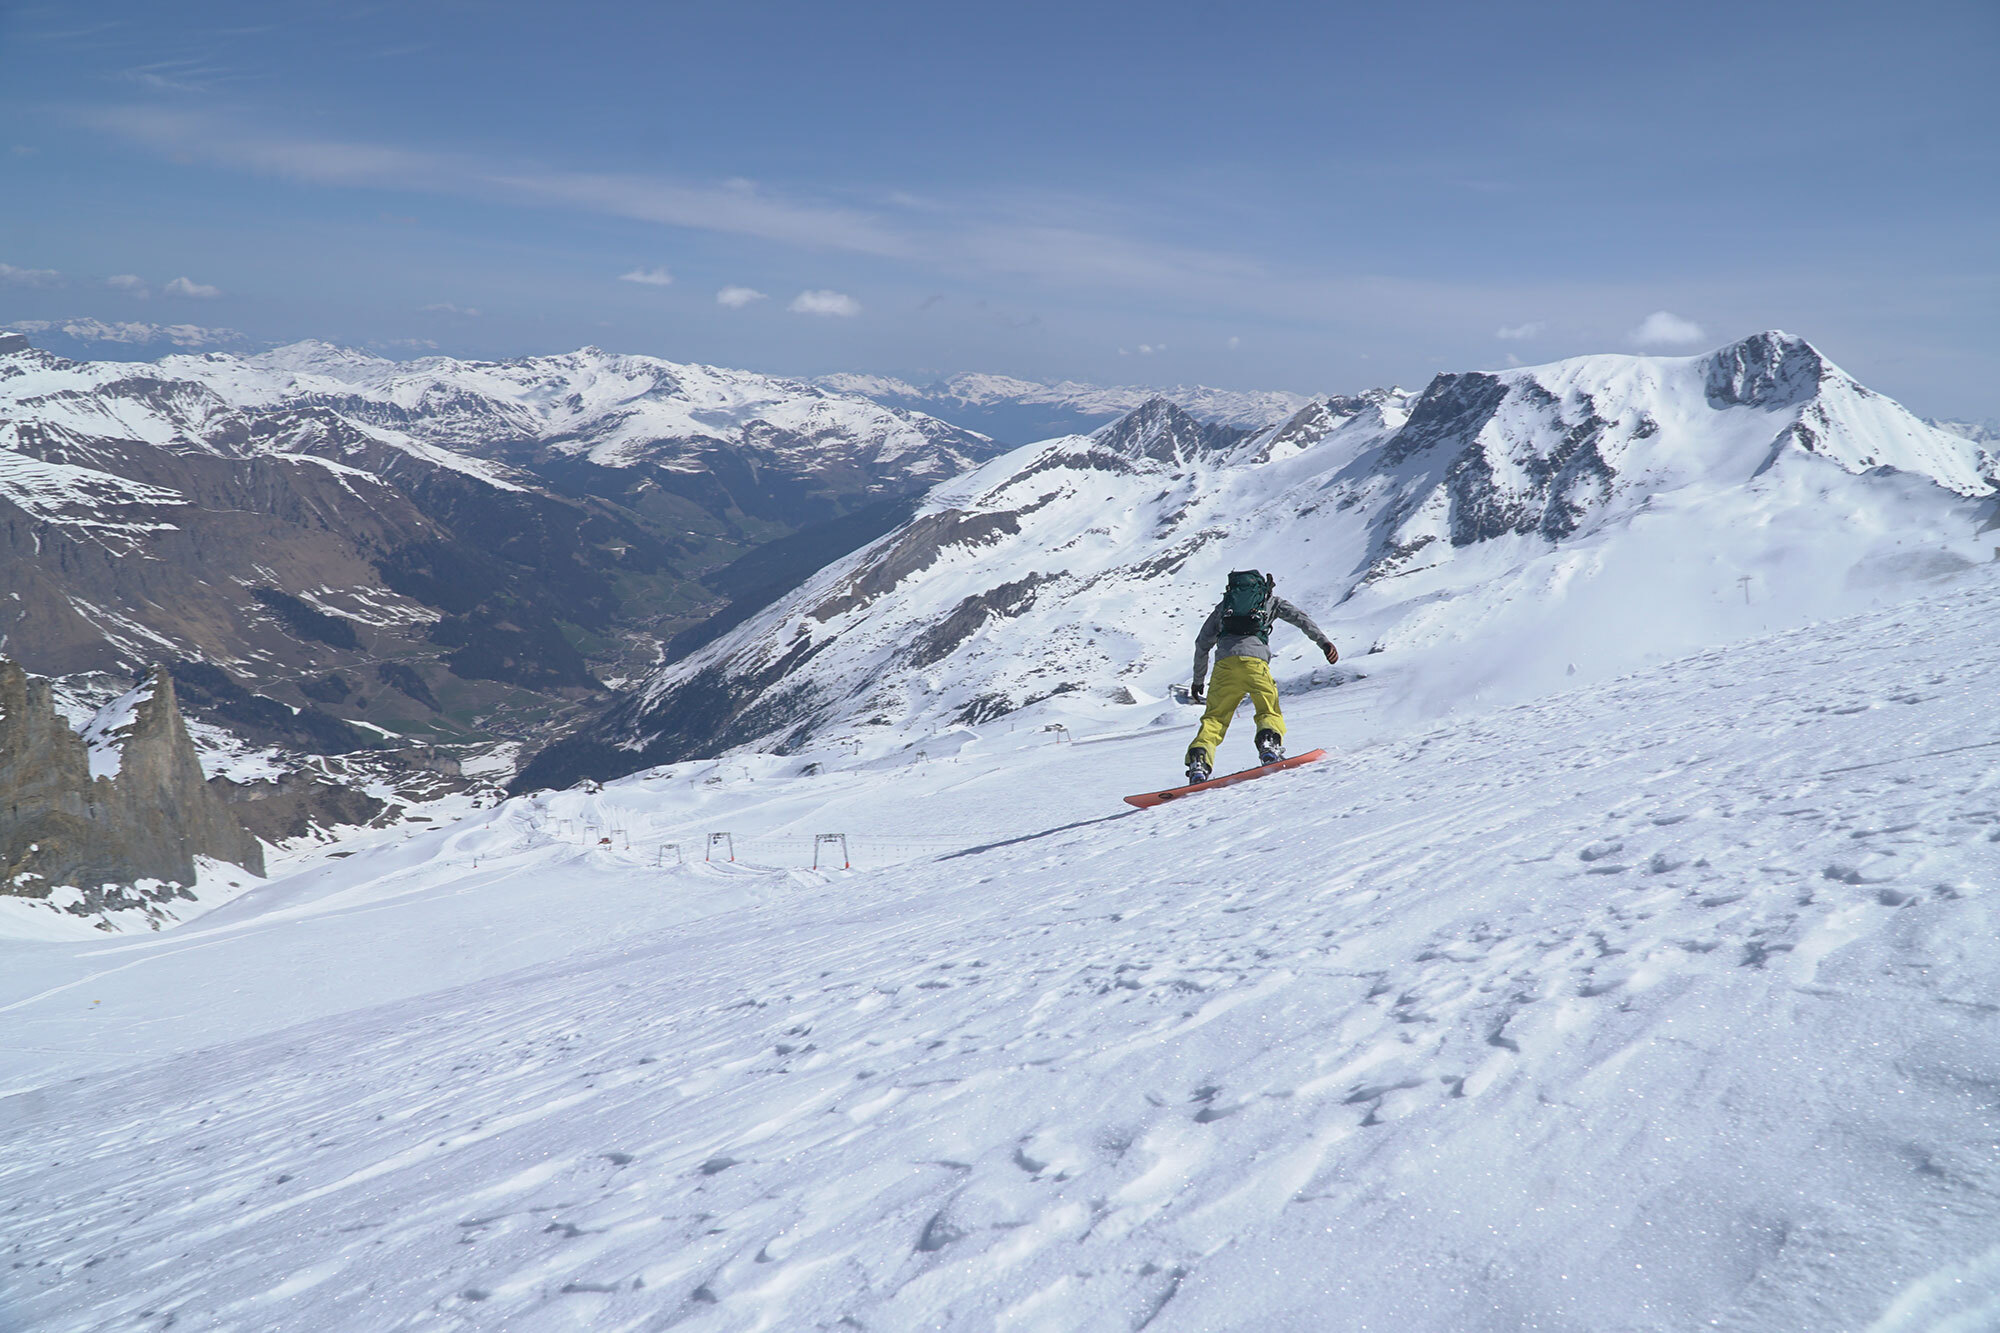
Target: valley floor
{"points": [[1669, 1003]]}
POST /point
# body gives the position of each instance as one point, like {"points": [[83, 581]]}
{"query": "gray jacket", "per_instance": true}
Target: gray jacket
{"points": [[1248, 645]]}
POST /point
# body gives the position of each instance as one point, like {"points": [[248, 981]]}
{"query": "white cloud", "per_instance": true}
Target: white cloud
{"points": [[98, 331], [29, 277], [128, 282], [1234, 342], [1534, 328], [825, 303], [1663, 328], [738, 297], [189, 287], [447, 308], [650, 277]]}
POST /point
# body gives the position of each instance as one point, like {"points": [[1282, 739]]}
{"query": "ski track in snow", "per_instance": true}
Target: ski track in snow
{"points": [[1643, 1007]]}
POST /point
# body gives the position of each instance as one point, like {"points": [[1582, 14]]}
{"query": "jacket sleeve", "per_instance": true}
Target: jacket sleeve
{"points": [[1204, 644], [1285, 611]]}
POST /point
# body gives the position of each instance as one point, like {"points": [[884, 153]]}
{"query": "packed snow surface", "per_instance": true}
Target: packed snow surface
{"points": [[1668, 1002]]}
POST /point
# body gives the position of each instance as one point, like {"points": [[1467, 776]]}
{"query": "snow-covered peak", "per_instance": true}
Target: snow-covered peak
{"points": [[1158, 429], [869, 386]]}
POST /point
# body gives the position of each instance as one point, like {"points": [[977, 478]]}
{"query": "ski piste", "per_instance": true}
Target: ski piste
{"points": [[1148, 799]]}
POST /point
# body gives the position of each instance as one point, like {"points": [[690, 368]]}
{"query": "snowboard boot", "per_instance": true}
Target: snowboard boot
{"points": [[1197, 766], [1270, 746]]}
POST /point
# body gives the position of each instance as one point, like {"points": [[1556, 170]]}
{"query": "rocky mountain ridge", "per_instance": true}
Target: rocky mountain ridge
{"points": [[114, 818], [1475, 528]]}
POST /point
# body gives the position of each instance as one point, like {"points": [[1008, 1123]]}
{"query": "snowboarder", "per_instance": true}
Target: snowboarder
{"points": [[1239, 630]]}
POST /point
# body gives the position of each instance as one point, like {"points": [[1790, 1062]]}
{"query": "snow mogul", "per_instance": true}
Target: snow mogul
{"points": [[1238, 630]]}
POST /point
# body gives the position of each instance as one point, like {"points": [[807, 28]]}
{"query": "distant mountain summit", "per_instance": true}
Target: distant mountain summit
{"points": [[1020, 410], [1489, 532], [1979, 432]]}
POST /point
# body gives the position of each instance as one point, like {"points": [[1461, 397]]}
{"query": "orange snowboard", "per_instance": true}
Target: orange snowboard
{"points": [[1152, 798]]}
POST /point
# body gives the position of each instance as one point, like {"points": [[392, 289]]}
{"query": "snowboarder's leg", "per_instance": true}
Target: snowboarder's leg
{"points": [[1226, 686], [1263, 692]]}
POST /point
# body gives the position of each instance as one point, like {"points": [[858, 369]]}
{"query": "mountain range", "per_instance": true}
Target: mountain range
{"points": [[1021, 411], [1478, 536], [342, 555], [436, 547]]}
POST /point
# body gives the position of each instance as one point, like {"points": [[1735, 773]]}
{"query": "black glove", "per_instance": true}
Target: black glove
{"points": [[1332, 653], [1197, 693]]}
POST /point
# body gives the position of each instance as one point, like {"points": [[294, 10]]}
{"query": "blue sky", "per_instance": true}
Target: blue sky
{"points": [[1317, 197]]}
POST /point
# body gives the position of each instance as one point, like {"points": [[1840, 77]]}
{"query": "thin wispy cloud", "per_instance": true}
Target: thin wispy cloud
{"points": [[447, 308], [648, 277], [735, 207], [825, 303], [129, 283], [1521, 332], [1663, 328], [29, 277], [176, 76], [738, 297], [184, 286], [967, 238]]}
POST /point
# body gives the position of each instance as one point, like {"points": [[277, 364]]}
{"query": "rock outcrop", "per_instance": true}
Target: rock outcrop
{"points": [[118, 813]]}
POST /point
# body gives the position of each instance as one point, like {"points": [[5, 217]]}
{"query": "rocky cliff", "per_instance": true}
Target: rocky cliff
{"points": [[117, 814]]}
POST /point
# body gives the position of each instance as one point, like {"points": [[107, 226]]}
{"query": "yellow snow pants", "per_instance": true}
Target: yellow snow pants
{"points": [[1233, 678]]}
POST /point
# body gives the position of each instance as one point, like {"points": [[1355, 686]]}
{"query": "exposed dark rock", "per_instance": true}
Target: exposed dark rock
{"points": [[916, 549], [404, 677], [331, 688], [970, 615], [146, 814], [1159, 430], [306, 621], [1450, 411], [985, 708], [1767, 370], [296, 804], [214, 695], [519, 644]]}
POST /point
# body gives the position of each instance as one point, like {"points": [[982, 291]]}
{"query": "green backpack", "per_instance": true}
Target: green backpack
{"points": [[1246, 604]]}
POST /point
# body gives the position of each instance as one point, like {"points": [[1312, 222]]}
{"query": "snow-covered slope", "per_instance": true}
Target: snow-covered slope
{"points": [[1665, 1003], [1018, 409], [1489, 535]]}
